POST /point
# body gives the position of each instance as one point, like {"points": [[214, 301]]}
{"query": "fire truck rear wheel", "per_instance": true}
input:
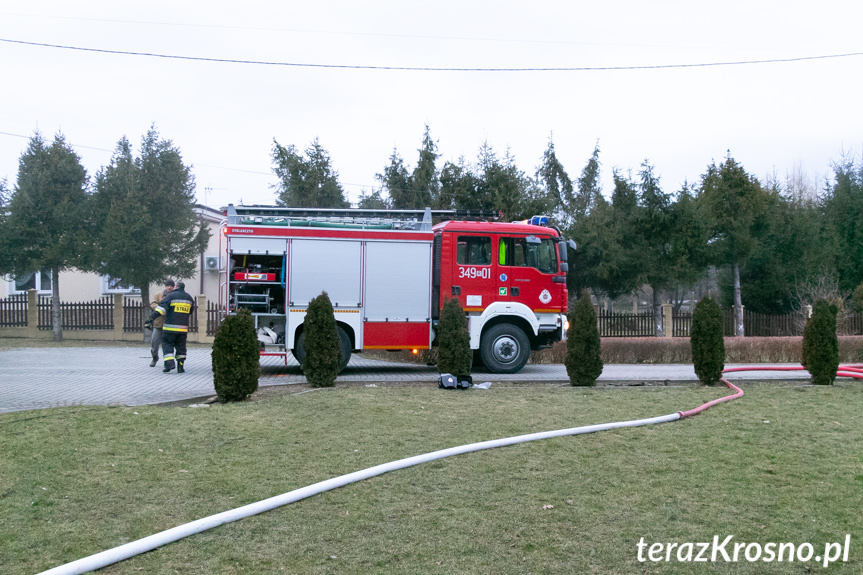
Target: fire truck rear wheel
{"points": [[504, 348], [344, 344]]}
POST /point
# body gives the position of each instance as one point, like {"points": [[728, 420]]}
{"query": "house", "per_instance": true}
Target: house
{"points": [[78, 286]]}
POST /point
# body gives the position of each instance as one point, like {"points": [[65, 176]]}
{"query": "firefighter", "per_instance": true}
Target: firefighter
{"points": [[156, 341], [176, 308]]}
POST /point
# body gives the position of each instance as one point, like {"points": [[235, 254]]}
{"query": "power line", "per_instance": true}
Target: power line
{"points": [[435, 69], [351, 33]]}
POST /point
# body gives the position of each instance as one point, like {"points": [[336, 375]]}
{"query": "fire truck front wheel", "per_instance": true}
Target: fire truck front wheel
{"points": [[344, 344], [504, 348]]}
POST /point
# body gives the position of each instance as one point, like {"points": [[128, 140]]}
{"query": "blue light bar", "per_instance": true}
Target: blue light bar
{"points": [[539, 221]]}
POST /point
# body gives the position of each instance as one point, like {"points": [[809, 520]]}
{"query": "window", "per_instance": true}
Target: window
{"points": [[40, 281], [474, 251], [115, 285], [529, 251]]}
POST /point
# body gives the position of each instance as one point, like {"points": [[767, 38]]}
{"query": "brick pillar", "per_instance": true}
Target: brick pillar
{"points": [[32, 313], [119, 317], [202, 318], [667, 325]]}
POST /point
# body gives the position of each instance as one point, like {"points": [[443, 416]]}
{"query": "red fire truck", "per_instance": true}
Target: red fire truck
{"points": [[387, 274]]}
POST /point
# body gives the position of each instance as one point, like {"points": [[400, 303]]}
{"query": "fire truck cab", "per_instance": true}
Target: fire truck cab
{"points": [[388, 273], [511, 281]]}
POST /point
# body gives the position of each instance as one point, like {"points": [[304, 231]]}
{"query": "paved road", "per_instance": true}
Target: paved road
{"points": [[37, 378]]}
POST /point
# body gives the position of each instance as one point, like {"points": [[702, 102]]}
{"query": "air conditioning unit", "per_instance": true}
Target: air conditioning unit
{"points": [[211, 263]]}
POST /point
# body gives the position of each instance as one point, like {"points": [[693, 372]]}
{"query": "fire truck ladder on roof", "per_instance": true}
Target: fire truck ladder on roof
{"points": [[419, 220]]}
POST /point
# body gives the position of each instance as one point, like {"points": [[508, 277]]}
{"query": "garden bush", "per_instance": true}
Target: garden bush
{"points": [[323, 356], [820, 354], [583, 347], [235, 358], [708, 345], [454, 353]]}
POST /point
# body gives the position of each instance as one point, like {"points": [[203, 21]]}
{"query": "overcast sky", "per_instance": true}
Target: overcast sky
{"points": [[780, 117]]}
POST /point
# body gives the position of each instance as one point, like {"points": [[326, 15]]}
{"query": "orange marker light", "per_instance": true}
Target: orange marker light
{"points": [[415, 351]]}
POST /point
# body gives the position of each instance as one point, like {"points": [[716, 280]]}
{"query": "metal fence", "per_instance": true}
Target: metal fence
{"points": [[99, 315], [92, 315], [613, 324], [13, 311], [215, 315], [96, 314], [764, 325], [681, 323]]}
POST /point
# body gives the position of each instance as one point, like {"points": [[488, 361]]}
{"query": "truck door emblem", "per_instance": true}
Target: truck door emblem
{"points": [[503, 278], [545, 296]]}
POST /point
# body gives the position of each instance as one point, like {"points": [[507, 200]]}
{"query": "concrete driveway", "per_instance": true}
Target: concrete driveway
{"points": [[38, 378]]}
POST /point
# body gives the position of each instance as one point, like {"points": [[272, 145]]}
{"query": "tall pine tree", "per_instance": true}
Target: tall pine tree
{"points": [[46, 226], [307, 180], [145, 222], [734, 204]]}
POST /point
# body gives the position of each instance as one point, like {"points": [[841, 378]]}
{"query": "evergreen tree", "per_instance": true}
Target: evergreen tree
{"points": [[424, 180], [307, 181], [733, 203], [857, 299], [454, 353], [589, 228], [322, 361], [5, 262], [46, 225], [502, 186], [820, 344], [843, 208], [583, 346], [588, 187], [594, 264], [621, 264], [373, 201], [708, 345], [652, 228], [145, 223], [458, 187], [236, 359], [396, 182], [791, 249], [557, 187]]}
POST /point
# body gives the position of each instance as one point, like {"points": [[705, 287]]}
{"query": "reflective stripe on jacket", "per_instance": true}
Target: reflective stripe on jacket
{"points": [[176, 308]]}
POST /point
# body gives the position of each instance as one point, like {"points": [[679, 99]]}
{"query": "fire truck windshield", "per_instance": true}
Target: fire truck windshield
{"points": [[531, 252]]}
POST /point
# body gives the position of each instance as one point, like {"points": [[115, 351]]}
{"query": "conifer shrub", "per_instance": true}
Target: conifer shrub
{"points": [[235, 358], [323, 356], [708, 345], [820, 344], [583, 349], [454, 353]]}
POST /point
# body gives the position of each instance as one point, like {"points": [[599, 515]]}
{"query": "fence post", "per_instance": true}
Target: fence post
{"points": [[32, 314], [667, 325], [201, 311], [119, 317]]}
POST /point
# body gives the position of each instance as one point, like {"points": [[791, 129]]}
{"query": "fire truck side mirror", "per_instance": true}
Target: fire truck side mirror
{"points": [[571, 244]]}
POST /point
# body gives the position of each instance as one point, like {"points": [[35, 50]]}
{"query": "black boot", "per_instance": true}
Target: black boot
{"points": [[180, 367], [155, 361]]}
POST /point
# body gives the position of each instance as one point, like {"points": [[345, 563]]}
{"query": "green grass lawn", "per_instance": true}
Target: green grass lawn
{"points": [[782, 464]]}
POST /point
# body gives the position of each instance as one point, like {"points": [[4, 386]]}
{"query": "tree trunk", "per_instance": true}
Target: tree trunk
{"points": [[657, 313], [738, 303], [55, 305], [145, 312]]}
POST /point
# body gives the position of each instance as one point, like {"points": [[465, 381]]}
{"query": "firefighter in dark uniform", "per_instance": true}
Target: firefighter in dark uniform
{"points": [[177, 308]]}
